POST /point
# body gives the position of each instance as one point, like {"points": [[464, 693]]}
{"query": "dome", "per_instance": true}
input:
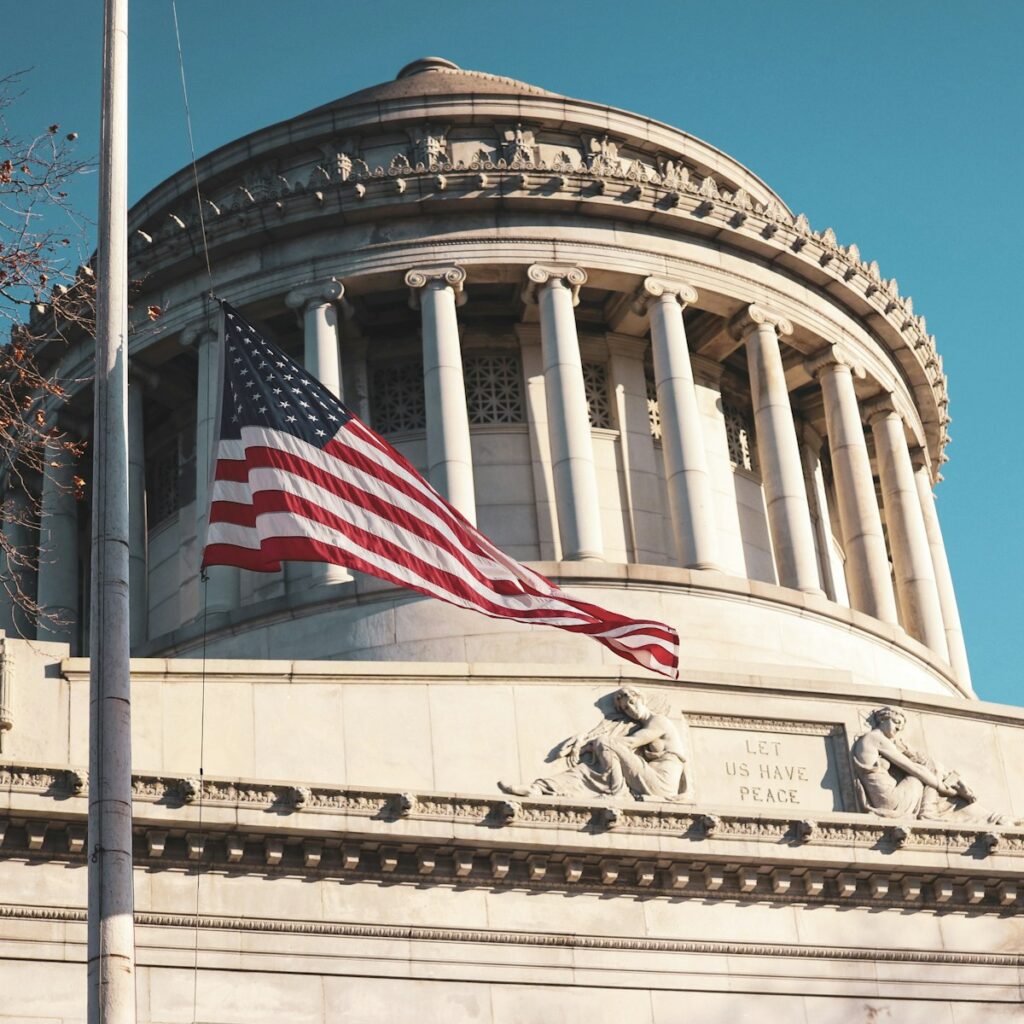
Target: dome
{"points": [[436, 76], [616, 352]]}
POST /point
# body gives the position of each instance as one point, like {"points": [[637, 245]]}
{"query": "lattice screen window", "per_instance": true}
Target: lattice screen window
{"points": [[396, 397], [494, 388], [740, 434], [162, 486], [595, 383], [170, 475], [653, 410]]}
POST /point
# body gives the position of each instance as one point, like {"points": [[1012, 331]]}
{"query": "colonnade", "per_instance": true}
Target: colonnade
{"points": [[917, 592]]}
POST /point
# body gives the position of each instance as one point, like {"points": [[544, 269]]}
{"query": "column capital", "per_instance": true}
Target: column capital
{"points": [[754, 316], [919, 459], [832, 356], [540, 274], [883, 404], [194, 333], [654, 288], [315, 293], [453, 277]]}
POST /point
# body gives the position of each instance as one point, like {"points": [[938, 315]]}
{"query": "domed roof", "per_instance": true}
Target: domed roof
{"points": [[435, 76]]}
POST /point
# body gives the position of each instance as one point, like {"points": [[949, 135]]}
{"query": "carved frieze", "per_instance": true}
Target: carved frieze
{"points": [[896, 780], [518, 146], [635, 753], [429, 147], [667, 183]]}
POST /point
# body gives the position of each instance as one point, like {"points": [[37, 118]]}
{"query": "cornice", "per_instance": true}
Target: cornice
{"points": [[700, 205], [523, 937], [464, 839]]}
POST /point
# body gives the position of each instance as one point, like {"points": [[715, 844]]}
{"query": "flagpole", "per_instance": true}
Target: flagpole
{"points": [[111, 926]]}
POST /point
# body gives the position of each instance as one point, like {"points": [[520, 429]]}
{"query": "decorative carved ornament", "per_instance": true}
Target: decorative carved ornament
{"points": [[538, 275], [669, 182], [834, 358], [655, 288], [316, 293], [453, 277], [883, 404], [748, 320]]}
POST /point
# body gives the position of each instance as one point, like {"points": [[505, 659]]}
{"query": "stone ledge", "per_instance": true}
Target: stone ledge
{"points": [[256, 826], [702, 583]]}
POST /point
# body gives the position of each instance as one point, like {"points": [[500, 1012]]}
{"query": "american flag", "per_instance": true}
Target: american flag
{"points": [[298, 477]]}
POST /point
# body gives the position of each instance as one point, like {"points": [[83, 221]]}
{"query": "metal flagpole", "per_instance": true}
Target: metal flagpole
{"points": [[111, 972]]}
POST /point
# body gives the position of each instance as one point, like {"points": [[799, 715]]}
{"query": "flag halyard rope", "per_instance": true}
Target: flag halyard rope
{"points": [[203, 578]]}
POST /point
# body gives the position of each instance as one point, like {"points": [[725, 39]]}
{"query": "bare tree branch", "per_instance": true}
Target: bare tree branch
{"points": [[47, 301]]}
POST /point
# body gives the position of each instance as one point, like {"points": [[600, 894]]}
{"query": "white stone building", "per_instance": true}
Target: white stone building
{"points": [[620, 353]]}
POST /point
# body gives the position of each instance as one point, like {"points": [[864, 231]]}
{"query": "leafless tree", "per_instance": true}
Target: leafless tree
{"points": [[47, 300]]}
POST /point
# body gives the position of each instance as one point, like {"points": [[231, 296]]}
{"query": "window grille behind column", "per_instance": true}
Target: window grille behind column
{"points": [[595, 383], [653, 409], [170, 474], [396, 397], [494, 388], [740, 435]]}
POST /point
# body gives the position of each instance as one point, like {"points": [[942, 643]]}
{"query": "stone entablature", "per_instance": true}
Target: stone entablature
{"points": [[349, 813], [440, 134], [317, 832], [700, 209]]}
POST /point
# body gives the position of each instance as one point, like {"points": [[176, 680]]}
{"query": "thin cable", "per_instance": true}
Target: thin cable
{"points": [[202, 787], [192, 145], [203, 576]]}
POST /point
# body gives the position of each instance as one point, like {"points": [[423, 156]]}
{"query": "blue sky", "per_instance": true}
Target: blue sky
{"points": [[896, 123]]}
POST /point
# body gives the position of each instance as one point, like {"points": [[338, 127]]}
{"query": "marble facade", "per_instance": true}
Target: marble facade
{"points": [[632, 365]]}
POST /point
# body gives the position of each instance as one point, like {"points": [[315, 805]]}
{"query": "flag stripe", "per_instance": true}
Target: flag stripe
{"points": [[298, 478]]}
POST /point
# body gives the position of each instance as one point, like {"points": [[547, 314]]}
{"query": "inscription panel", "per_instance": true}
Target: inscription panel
{"points": [[766, 763]]}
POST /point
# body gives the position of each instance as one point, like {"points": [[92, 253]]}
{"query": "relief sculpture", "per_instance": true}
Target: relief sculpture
{"points": [[896, 781], [636, 752]]}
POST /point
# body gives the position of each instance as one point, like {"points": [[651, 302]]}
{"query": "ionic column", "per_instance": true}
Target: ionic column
{"points": [[138, 581], [778, 451], [943, 577], [556, 291], [821, 521], [449, 454], [867, 562], [916, 589], [223, 588], [550, 544], [323, 360], [57, 592], [691, 504]]}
